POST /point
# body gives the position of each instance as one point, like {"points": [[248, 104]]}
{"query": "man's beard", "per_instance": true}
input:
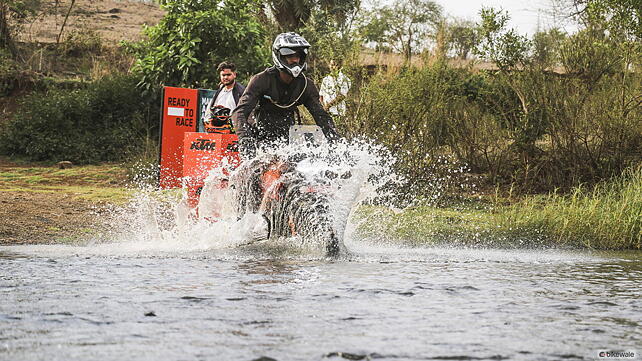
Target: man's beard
{"points": [[228, 82]]}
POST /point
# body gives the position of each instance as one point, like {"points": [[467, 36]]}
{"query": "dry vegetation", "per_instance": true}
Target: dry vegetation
{"points": [[112, 20]]}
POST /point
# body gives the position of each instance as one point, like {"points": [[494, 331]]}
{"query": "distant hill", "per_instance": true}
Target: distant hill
{"points": [[113, 20]]}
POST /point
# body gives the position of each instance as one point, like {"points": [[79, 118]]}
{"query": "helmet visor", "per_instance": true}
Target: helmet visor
{"points": [[287, 51]]}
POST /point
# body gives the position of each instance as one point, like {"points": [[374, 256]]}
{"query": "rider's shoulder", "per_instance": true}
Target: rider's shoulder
{"points": [[310, 85], [264, 75], [271, 71]]}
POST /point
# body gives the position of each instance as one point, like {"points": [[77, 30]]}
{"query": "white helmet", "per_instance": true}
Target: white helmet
{"points": [[288, 44]]}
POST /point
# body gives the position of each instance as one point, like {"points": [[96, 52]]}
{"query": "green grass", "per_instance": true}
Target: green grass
{"points": [[10, 175], [92, 194], [427, 225], [36, 179], [89, 175], [98, 194], [95, 183], [608, 217]]}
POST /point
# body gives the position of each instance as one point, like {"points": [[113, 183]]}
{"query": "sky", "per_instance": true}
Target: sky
{"points": [[525, 15]]}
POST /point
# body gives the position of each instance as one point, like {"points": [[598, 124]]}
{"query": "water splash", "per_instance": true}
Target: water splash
{"points": [[345, 173]]}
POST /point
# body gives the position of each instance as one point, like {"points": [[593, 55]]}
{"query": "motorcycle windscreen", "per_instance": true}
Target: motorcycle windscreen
{"points": [[306, 134]]}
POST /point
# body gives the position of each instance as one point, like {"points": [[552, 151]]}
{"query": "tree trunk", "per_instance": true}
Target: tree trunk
{"points": [[408, 50], [6, 40], [62, 28]]}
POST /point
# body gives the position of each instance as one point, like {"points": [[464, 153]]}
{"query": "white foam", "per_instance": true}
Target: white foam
{"points": [[160, 221]]}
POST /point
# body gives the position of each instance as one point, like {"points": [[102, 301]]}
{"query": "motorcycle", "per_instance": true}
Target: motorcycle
{"points": [[290, 203]]}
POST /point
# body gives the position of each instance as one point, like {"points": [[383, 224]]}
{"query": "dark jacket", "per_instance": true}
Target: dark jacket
{"points": [[258, 119], [237, 91]]}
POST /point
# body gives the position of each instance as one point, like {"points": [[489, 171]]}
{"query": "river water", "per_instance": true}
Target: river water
{"points": [[128, 301], [167, 286]]}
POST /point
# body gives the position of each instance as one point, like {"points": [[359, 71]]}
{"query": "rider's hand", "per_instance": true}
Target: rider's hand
{"points": [[333, 137]]}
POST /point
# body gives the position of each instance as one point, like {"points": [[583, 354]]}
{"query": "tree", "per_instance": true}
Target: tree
{"points": [[502, 46], [13, 14], [293, 15], [404, 26], [462, 38], [331, 31], [509, 52], [546, 47], [622, 18], [194, 36]]}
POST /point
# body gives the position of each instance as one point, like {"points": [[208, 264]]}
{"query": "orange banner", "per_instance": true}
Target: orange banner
{"points": [[180, 115], [205, 151]]}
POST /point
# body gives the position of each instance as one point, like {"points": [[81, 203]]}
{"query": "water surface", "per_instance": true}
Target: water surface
{"points": [[108, 302]]}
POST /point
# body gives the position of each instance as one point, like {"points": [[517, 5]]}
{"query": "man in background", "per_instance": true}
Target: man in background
{"points": [[225, 98], [334, 89]]}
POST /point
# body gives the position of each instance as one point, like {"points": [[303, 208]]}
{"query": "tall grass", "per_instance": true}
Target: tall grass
{"points": [[607, 217]]}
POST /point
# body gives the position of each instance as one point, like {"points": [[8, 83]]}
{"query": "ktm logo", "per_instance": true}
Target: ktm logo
{"points": [[203, 144], [233, 146]]}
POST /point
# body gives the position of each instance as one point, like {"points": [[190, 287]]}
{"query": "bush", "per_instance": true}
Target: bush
{"points": [[8, 73], [537, 130], [194, 36], [418, 114], [78, 43], [106, 121]]}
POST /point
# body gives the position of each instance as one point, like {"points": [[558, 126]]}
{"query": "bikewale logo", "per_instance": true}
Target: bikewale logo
{"points": [[617, 354], [203, 144]]}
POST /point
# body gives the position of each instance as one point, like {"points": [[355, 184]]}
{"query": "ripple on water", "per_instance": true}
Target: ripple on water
{"points": [[426, 304]]}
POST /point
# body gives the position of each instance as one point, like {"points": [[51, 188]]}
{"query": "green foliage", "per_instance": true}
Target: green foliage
{"points": [[509, 52], [546, 48], [404, 26], [573, 131], [78, 43], [411, 111], [518, 124], [13, 15], [612, 35], [622, 18], [8, 72], [502, 46], [293, 15], [591, 54], [194, 37], [334, 44], [428, 225], [106, 121], [462, 38], [607, 217]]}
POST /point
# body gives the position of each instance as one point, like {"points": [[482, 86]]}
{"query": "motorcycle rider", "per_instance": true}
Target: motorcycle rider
{"points": [[268, 106]]}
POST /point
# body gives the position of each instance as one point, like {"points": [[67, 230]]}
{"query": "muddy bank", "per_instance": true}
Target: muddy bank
{"points": [[45, 204], [38, 217]]}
